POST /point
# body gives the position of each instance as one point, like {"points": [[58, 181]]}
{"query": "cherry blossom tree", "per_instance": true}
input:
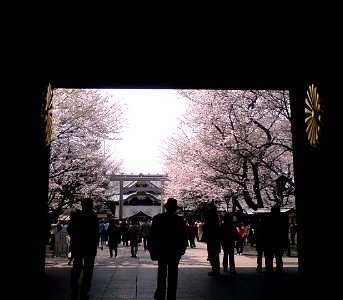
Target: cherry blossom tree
{"points": [[233, 148], [79, 161]]}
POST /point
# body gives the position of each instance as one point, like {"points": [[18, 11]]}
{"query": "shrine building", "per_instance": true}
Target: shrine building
{"points": [[136, 195]]}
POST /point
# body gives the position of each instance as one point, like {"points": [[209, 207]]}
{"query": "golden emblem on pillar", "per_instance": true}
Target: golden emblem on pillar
{"points": [[47, 116], [313, 116]]}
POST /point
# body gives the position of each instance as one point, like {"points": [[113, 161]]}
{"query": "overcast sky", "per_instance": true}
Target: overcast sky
{"points": [[152, 116]]}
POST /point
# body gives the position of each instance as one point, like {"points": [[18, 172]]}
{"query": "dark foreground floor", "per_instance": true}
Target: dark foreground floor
{"points": [[125, 277]]}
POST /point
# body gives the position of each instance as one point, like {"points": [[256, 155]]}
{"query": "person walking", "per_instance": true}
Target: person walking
{"points": [[55, 228], [241, 238], [113, 237], [228, 238], [69, 255], [191, 233], [275, 236], [259, 245], [83, 230], [168, 242], [145, 233], [134, 235], [292, 232], [124, 228], [211, 236], [102, 234], [200, 230]]}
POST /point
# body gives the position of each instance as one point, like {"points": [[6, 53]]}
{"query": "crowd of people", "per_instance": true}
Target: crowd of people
{"points": [[167, 236], [271, 237]]}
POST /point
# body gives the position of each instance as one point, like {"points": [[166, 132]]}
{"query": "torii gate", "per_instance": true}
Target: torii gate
{"points": [[122, 178]]}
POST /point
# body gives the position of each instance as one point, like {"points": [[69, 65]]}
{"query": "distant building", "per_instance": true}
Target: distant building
{"points": [[141, 195]]}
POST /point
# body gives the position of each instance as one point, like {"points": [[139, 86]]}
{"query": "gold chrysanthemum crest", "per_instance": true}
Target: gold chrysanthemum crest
{"points": [[47, 115], [313, 115]]}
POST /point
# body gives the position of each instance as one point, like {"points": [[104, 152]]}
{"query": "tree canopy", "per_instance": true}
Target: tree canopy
{"points": [[232, 148], [79, 160]]}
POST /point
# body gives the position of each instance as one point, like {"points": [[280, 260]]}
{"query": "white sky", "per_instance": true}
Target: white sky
{"points": [[152, 116]]}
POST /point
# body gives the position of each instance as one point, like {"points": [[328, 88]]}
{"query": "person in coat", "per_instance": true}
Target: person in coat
{"points": [[212, 239], [83, 230], [275, 238], [228, 238], [113, 237], [168, 242]]}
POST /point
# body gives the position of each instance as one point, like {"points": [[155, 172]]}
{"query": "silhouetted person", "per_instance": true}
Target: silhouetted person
{"points": [[241, 238], [83, 230], [113, 237], [212, 238], [168, 242], [102, 234], [124, 228], [259, 245], [70, 256], [228, 238], [145, 232], [292, 232], [191, 233], [134, 237], [275, 236]]}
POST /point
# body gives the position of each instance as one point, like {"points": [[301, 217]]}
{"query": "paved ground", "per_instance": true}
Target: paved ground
{"points": [[125, 277]]}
